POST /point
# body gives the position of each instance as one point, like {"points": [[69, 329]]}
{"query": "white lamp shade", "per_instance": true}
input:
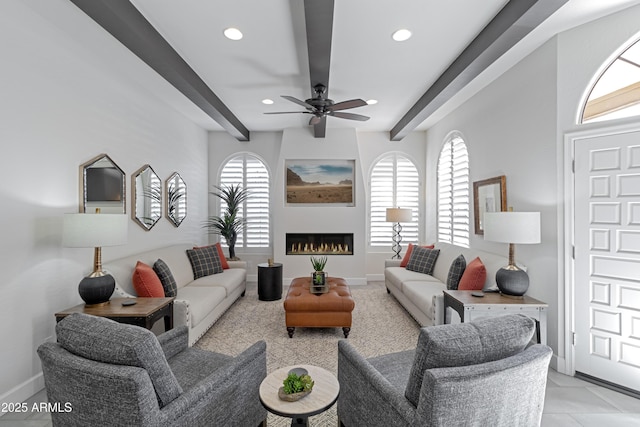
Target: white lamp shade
{"points": [[512, 227], [399, 215], [94, 230]]}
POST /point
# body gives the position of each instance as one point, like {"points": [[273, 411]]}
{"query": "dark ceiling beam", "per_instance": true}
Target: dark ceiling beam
{"points": [[516, 19], [318, 15], [129, 26]]}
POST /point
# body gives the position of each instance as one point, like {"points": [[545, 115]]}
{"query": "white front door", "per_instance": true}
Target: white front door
{"points": [[607, 258]]}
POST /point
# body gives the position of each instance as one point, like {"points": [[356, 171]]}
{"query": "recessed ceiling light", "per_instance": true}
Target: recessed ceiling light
{"points": [[372, 101], [401, 35], [267, 101], [233, 33]]}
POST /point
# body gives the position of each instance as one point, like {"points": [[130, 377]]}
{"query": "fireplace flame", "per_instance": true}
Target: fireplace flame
{"points": [[324, 248]]}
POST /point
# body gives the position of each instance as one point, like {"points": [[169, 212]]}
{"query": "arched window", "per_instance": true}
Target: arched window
{"points": [[453, 192], [616, 93], [250, 172], [394, 183]]}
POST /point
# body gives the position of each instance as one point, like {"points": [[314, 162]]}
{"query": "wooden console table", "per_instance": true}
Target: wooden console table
{"points": [[144, 313], [495, 304]]}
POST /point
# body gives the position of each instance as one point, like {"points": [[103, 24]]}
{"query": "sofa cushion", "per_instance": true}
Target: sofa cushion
{"points": [[455, 272], [474, 276], [421, 293], [202, 300], [103, 340], [204, 261], [423, 260], [230, 280], [463, 344], [399, 275], [166, 278], [146, 282], [407, 255]]}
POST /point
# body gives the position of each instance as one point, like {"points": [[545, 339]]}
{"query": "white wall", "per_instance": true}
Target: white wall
{"points": [[510, 129], [61, 105], [275, 147]]}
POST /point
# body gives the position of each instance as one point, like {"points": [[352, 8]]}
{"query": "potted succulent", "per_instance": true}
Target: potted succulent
{"points": [[228, 225], [295, 387], [319, 276]]}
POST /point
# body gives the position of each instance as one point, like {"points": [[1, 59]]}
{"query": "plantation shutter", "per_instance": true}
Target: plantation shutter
{"points": [[394, 183], [453, 193], [251, 173]]}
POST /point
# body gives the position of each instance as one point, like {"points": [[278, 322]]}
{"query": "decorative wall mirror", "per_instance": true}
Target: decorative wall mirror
{"points": [[176, 199], [102, 186], [147, 197], [489, 195]]}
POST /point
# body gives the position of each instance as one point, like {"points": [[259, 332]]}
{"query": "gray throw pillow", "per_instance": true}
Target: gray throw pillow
{"points": [[166, 278], [455, 272], [423, 260], [204, 261], [463, 344], [104, 340]]}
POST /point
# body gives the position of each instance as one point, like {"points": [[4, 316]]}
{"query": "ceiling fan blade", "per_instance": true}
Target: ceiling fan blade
{"points": [[297, 101], [315, 120], [349, 116], [288, 112], [345, 105]]}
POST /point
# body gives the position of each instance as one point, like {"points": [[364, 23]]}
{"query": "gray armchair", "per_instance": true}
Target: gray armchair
{"points": [[479, 373], [103, 373]]}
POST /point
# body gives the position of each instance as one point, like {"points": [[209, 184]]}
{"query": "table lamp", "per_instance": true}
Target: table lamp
{"points": [[398, 215], [512, 228], [95, 231]]}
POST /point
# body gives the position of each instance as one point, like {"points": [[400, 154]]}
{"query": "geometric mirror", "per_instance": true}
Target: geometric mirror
{"points": [[176, 199], [147, 197], [103, 186]]}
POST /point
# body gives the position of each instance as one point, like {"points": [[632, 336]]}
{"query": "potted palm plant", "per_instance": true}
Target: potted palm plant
{"points": [[319, 276], [229, 224]]}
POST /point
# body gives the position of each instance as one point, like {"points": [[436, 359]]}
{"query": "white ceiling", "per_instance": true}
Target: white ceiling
{"points": [[271, 60]]}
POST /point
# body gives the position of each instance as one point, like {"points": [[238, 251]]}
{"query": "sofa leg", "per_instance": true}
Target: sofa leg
{"points": [[243, 292], [388, 291], [290, 331]]}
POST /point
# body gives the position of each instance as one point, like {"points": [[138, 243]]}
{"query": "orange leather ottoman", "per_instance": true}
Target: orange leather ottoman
{"points": [[330, 310]]}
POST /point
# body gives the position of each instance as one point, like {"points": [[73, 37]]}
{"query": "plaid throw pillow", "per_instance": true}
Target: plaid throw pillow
{"points": [[166, 278], [423, 260], [455, 272], [204, 261]]}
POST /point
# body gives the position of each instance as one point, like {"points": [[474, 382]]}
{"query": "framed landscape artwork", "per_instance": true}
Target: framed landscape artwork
{"points": [[320, 182], [489, 195]]}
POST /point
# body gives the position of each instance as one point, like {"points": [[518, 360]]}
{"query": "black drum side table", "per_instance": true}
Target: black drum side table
{"points": [[269, 281]]}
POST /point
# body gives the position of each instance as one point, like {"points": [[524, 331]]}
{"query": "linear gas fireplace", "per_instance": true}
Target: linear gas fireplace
{"points": [[319, 243]]}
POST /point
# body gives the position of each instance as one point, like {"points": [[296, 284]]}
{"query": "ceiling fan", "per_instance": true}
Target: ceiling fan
{"points": [[320, 107]]}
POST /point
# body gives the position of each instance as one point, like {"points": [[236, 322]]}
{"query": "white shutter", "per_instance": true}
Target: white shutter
{"points": [[394, 183], [453, 193], [252, 174]]}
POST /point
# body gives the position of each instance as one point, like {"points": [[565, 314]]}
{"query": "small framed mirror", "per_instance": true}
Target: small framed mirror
{"points": [[489, 195], [147, 197], [176, 199], [102, 186]]}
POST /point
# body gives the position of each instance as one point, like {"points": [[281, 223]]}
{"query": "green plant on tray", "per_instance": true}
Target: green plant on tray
{"points": [[319, 263], [297, 384]]}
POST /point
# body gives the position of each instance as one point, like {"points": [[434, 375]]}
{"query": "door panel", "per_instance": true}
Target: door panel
{"points": [[607, 258]]}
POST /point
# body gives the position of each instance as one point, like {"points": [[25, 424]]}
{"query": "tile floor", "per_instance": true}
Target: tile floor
{"points": [[569, 402]]}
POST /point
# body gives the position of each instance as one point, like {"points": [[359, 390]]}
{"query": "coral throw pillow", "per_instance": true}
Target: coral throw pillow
{"points": [[407, 255], [146, 282], [473, 277]]}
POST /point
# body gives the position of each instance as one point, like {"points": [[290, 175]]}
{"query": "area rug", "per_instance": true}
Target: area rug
{"points": [[380, 326]]}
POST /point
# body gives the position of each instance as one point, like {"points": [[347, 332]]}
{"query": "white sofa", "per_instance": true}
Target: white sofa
{"points": [[199, 303], [421, 294]]}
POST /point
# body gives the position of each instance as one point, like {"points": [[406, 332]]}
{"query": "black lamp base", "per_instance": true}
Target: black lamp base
{"points": [[512, 282], [96, 290]]}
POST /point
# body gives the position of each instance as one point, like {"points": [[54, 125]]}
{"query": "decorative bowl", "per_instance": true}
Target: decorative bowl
{"points": [[293, 396]]}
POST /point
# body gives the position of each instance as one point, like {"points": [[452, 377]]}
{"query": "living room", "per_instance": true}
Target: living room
{"points": [[71, 92]]}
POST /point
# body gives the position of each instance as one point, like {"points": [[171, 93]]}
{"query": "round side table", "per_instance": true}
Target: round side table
{"points": [[324, 394], [269, 281]]}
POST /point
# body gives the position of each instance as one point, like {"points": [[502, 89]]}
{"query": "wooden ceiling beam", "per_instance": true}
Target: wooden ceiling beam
{"points": [[516, 19], [123, 21]]}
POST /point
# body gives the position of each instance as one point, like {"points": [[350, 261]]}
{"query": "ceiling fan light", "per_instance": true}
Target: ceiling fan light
{"points": [[372, 101], [267, 101], [401, 35], [232, 33]]}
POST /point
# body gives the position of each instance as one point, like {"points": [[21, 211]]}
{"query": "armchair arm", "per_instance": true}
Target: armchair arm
{"points": [[229, 396], [174, 341], [366, 397]]}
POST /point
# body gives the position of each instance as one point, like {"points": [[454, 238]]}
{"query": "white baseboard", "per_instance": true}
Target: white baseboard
{"points": [[375, 277], [24, 391]]}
